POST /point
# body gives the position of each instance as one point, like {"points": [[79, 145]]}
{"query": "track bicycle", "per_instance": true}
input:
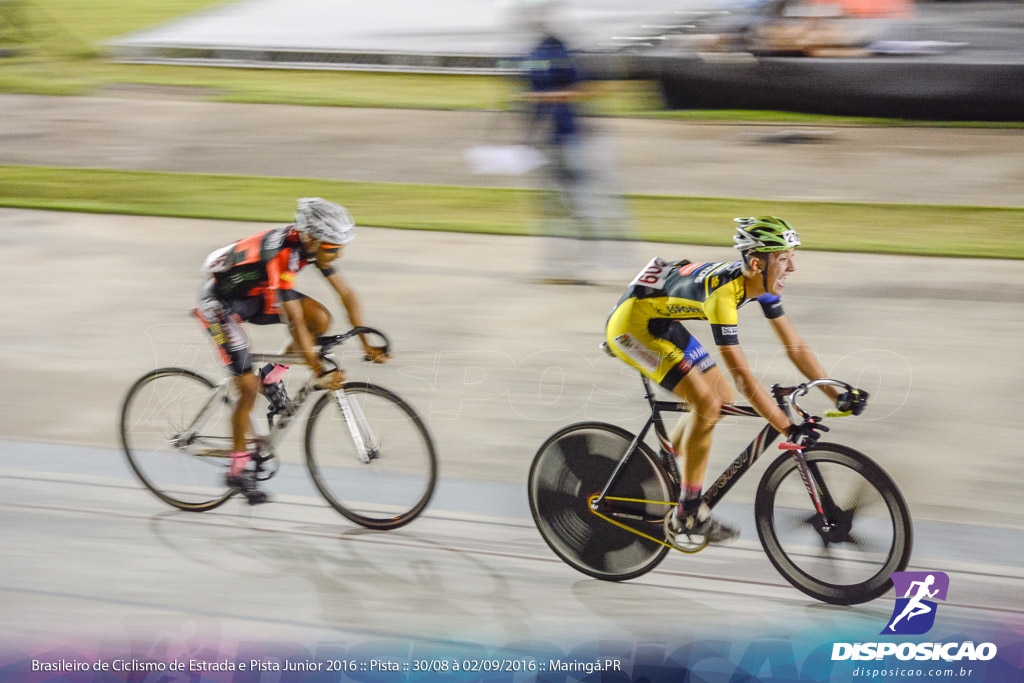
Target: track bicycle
{"points": [[368, 452], [830, 519]]}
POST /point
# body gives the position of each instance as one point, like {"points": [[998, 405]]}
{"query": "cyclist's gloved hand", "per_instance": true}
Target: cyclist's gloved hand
{"points": [[329, 380], [375, 354], [806, 433], [852, 401]]}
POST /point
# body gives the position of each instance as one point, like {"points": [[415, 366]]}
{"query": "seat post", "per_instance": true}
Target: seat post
{"points": [[648, 390]]}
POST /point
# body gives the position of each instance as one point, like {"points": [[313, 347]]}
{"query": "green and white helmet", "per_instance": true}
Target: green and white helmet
{"points": [[764, 234]]}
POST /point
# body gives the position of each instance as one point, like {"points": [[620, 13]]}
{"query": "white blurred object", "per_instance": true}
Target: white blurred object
{"points": [[913, 47], [543, 17], [504, 159]]}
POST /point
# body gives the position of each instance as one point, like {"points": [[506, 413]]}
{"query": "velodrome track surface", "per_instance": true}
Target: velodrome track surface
{"points": [[495, 363]]}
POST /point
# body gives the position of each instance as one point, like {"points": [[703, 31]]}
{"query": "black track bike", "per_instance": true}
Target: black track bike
{"points": [[831, 520]]}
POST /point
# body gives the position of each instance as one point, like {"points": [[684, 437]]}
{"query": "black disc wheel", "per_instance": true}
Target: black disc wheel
{"points": [[176, 433], [573, 466], [845, 554], [386, 481]]}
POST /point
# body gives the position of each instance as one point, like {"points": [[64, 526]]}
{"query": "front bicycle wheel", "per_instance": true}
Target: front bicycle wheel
{"points": [[389, 481], [177, 436], [845, 554], [574, 465]]}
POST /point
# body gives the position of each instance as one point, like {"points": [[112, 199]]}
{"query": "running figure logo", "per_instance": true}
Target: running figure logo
{"points": [[914, 613]]}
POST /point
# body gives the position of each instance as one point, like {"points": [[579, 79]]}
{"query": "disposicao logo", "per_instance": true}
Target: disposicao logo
{"points": [[914, 613]]}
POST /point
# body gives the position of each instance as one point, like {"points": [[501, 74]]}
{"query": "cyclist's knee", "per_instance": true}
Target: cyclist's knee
{"points": [[709, 408], [318, 318], [704, 400], [722, 387]]}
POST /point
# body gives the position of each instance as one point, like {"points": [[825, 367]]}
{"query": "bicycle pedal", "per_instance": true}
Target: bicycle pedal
{"points": [[683, 541], [256, 497], [264, 470], [245, 484]]}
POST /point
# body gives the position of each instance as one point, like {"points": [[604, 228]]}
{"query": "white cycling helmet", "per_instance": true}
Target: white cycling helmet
{"points": [[325, 221]]}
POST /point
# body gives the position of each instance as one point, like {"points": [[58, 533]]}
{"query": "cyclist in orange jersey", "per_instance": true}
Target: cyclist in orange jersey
{"points": [[253, 280]]}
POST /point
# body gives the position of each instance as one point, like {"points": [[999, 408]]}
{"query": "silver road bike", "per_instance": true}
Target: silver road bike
{"points": [[368, 452]]}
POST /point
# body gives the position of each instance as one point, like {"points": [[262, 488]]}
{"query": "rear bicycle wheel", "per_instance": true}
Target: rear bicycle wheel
{"points": [[186, 471], [575, 464], [870, 535], [396, 484]]}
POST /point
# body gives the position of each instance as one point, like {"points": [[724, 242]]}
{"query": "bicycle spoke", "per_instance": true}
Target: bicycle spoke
{"points": [[858, 498], [158, 409]]}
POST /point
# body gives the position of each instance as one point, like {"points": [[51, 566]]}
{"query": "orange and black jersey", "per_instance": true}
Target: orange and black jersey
{"points": [[682, 290], [263, 265]]}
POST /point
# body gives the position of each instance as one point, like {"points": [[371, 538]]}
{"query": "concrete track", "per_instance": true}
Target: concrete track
{"points": [[495, 363], [298, 574]]}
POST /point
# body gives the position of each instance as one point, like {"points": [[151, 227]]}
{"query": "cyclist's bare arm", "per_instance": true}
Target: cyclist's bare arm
{"points": [[355, 314], [735, 360], [291, 311], [800, 353]]}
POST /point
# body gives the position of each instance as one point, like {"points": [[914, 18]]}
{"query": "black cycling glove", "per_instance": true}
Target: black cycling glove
{"points": [[806, 433], [852, 401]]}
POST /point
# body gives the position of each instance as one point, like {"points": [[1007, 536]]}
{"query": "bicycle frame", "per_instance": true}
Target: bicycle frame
{"points": [[725, 481], [359, 428]]}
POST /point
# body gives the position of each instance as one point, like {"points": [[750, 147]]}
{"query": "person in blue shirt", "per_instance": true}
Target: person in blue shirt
{"points": [[556, 88]]}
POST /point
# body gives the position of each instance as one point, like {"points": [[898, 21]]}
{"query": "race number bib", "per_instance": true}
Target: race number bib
{"points": [[653, 275], [218, 261]]}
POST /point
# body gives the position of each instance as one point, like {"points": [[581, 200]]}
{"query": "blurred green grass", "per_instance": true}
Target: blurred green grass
{"points": [[75, 27], [829, 226], [62, 53]]}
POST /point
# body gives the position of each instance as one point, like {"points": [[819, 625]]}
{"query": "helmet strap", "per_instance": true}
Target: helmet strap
{"points": [[765, 257], [764, 271]]}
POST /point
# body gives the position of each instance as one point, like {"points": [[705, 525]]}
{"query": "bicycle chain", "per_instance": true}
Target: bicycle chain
{"points": [[696, 549]]}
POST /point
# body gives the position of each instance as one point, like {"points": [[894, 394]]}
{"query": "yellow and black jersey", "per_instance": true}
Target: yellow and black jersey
{"points": [[682, 290]]}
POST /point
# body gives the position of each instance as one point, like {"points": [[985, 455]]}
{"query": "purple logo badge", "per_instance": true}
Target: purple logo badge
{"points": [[914, 612]]}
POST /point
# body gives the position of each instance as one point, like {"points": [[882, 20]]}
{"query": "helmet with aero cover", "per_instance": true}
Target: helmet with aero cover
{"points": [[325, 221], [764, 234]]}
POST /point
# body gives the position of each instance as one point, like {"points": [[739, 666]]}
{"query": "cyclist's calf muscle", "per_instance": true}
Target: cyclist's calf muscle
{"points": [[248, 387]]}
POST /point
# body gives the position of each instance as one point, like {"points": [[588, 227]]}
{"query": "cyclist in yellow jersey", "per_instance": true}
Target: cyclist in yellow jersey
{"points": [[645, 331]]}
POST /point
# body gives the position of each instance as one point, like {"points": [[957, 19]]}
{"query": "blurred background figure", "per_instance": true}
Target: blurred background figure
{"points": [[825, 28], [580, 203]]}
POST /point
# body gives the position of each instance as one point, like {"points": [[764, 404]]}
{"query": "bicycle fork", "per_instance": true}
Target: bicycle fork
{"points": [[366, 444], [816, 490]]}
